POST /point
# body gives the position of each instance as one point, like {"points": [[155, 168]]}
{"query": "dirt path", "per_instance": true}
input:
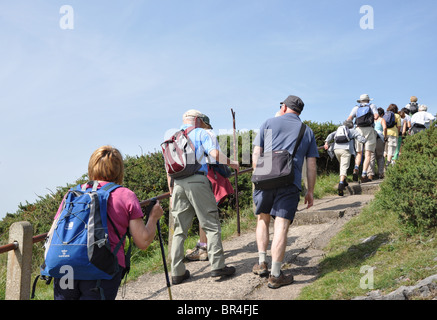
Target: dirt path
{"points": [[307, 236]]}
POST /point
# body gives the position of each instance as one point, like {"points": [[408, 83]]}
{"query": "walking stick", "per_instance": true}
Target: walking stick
{"points": [[236, 175], [152, 202]]}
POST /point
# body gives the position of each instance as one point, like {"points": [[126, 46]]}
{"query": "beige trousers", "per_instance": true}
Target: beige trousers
{"points": [[193, 196]]}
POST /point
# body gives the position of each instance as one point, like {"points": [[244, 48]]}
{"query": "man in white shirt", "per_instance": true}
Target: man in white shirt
{"points": [[421, 120]]}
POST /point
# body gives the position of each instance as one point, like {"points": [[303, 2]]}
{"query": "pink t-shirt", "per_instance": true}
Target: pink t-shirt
{"points": [[123, 206]]}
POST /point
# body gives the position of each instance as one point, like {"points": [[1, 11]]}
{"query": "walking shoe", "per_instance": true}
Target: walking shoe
{"points": [[365, 179], [226, 271], [282, 280], [261, 269], [355, 175], [196, 254], [180, 279]]}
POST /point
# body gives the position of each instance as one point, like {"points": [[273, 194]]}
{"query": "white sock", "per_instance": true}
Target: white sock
{"points": [[276, 268], [262, 257]]}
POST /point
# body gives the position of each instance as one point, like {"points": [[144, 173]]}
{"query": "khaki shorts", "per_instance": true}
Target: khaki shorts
{"points": [[370, 134]]}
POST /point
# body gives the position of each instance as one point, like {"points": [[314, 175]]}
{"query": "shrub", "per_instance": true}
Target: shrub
{"points": [[410, 187]]}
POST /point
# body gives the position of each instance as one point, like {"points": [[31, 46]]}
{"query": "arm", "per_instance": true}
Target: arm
{"points": [[257, 151], [143, 235], [329, 138], [222, 158], [311, 177]]}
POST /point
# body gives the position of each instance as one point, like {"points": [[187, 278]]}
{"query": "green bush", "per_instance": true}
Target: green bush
{"points": [[410, 187]]}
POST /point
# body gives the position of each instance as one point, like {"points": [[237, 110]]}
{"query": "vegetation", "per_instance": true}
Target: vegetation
{"points": [[395, 235]]}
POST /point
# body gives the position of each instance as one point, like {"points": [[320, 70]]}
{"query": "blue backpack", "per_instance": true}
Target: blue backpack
{"points": [[390, 119], [365, 116], [79, 236]]}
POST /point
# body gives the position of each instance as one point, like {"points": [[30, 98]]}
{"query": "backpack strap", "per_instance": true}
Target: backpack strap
{"points": [[299, 139]]}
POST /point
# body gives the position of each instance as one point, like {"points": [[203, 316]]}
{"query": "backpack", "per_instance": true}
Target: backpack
{"points": [[342, 135], [414, 107], [365, 116], [390, 119], [79, 237], [179, 155]]}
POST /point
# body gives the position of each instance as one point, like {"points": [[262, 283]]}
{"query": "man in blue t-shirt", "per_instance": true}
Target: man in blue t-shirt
{"points": [[279, 133], [193, 196]]}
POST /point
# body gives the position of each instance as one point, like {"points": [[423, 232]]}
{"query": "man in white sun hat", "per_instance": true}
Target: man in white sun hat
{"points": [[365, 113]]}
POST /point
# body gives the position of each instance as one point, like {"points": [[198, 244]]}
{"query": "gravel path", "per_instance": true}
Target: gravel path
{"points": [[307, 236]]}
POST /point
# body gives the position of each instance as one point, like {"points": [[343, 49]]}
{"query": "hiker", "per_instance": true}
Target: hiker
{"points": [[378, 155], [392, 133], [106, 165], [221, 186], [413, 106], [421, 120], [192, 195], [344, 148], [403, 131], [280, 133], [365, 113]]}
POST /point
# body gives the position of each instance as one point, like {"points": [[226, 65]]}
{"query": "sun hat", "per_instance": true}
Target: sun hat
{"points": [[364, 97], [205, 119], [192, 113]]}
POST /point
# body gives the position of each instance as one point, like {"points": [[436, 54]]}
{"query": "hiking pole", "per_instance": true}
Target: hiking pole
{"points": [[236, 175], [152, 202]]}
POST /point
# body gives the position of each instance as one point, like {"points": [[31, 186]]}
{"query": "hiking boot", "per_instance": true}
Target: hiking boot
{"points": [[341, 187], [261, 269], [355, 175], [180, 279], [226, 271], [282, 280], [365, 179], [199, 253]]}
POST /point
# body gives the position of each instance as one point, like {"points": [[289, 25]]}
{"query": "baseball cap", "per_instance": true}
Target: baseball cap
{"points": [[295, 103]]}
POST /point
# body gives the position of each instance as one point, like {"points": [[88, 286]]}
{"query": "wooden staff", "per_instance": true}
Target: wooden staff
{"points": [[236, 175]]}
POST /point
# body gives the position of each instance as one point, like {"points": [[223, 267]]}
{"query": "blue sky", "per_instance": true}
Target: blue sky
{"points": [[129, 69]]}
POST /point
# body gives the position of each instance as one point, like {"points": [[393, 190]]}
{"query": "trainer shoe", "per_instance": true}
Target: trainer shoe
{"points": [[180, 279], [196, 254], [226, 271], [282, 280], [261, 269]]}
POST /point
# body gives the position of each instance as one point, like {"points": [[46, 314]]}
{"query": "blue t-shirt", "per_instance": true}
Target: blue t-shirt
{"points": [[280, 133], [203, 145]]}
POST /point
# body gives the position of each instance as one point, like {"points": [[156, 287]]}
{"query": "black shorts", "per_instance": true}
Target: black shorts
{"points": [[280, 202]]}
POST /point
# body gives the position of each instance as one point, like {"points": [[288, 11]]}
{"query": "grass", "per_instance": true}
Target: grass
{"points": [[394, 258]]}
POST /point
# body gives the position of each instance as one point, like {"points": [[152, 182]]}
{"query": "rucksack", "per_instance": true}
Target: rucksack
{"points": [[79, 236], [414, 107], [180, 155], [342, 135], [390, 119], [365, 116]]}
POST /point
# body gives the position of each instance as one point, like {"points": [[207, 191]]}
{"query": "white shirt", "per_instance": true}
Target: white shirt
{"points": [[422, 117]]}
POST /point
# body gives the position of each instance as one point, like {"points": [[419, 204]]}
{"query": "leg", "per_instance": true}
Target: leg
{"points": [[183, 214]]}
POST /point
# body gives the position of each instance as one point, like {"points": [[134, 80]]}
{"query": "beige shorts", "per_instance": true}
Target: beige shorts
{"points": [[370, 134]]}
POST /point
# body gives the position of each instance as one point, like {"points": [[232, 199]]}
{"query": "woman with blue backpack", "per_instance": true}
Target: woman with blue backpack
{"points": [[121, 212]]}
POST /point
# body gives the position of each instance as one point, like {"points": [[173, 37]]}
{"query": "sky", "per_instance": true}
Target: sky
{"points": [[123, 72]]}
